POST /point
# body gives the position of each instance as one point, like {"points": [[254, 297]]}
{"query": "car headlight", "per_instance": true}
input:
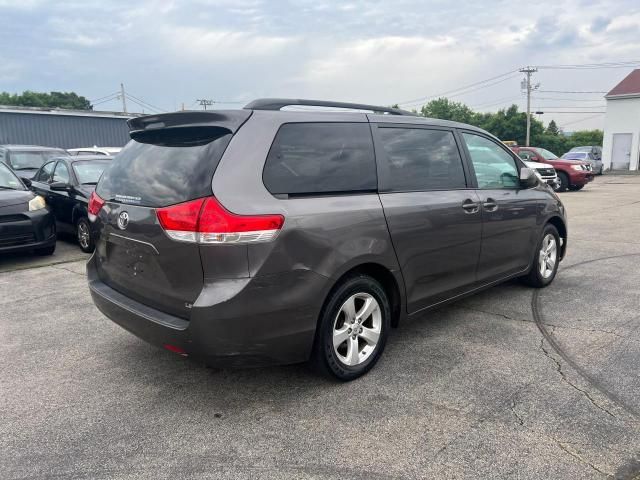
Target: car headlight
{"points": [[37, 203], [577, 167]]}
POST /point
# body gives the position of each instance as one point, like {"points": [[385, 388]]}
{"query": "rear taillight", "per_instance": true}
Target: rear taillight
{"points": [[95, 204], [206, 221]]}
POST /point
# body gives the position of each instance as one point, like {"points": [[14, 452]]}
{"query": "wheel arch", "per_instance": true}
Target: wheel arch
{"points": [[391, 283], [561, 226]]}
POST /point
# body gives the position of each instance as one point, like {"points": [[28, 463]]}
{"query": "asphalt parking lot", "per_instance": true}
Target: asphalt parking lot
{"points": [[511, 383]]}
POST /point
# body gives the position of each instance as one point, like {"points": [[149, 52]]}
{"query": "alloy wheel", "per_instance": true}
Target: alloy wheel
{"points": [[356, 329], [548, 256]]}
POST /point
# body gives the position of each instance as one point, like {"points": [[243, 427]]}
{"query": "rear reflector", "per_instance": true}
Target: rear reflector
{"points": [[174, 349], [206, 221], [95, 204]]}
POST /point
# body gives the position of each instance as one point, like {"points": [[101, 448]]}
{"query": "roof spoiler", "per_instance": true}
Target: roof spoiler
{"points": [[279, 103], [186, 128]]}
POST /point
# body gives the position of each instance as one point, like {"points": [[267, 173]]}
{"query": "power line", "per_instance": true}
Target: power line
{"points": [[106, 96], [587, 66], [580, 120], [139, 101], [466, 87], [569, 99], [569, 91], [572, 106], [554, 112]]}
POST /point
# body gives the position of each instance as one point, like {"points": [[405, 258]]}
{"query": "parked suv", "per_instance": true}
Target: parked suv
{"points": [[261, 236], [573, 174]]}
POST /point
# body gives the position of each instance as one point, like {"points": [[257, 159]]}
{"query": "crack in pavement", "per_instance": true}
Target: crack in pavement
{"points": [[564, 446], [586, 330], [58, 267], [564, 377]]}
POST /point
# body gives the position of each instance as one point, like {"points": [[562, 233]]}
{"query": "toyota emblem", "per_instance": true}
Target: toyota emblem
{"points": [[123, 220]]}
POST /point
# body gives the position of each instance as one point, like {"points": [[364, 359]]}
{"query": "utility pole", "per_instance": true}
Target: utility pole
{"points": [[526, 84], [124, 99], [205, 102]]}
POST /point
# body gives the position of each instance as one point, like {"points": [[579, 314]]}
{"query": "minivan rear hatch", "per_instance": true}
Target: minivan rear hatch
{"points": [[170, 160]]}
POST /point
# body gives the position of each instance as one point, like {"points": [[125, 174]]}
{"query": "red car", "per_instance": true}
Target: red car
{"points": [[573, 174]]}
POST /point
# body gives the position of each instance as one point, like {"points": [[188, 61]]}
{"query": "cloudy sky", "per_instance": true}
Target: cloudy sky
{"points": [[392, 51]]}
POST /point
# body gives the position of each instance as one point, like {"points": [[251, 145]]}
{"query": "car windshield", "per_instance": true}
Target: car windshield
{"points": [[546, 154], [575, 156], [8, 180], [581, 149], [89, 172], [32, 159]]}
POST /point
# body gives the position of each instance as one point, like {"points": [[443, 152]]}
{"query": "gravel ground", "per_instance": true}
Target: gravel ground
{"points": [[511, 383]]}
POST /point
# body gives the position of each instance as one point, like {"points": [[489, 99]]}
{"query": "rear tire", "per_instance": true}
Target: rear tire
{"points": [[352, 329], [547, 250], [575, 188], [564, 182], [83, 235]]}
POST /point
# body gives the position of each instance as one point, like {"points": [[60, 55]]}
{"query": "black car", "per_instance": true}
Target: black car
{"points": [[25, 160], [67, 183], [26, 222]]}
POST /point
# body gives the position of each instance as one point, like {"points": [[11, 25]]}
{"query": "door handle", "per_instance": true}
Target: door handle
{"points": [[490, 205], [469, 206]]}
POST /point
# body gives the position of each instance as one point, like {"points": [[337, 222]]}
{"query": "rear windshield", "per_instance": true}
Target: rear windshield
{"points": [[88, 172], [25, 160], [156, 176]]}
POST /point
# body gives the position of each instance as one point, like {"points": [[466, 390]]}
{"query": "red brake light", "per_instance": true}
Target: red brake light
{"points": [[95, 205], [205, 220]]}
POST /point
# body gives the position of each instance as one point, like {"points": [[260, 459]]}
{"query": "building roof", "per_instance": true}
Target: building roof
{"points": [[65, 112], [628, 87]]}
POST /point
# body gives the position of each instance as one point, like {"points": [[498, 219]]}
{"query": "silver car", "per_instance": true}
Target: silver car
{"points": [[593, 155]]}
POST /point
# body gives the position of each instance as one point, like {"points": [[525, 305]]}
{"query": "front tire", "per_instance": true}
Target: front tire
{"points": [[46, 251], [546, 259], [353, 329], [83, 235], [575, 188], [564, 182]]}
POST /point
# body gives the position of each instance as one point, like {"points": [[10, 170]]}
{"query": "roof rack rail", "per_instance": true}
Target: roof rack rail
{"points": [[278, 103]]}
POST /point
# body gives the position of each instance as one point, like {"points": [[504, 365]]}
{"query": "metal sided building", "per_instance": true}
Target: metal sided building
{"points": [[62, 128]]}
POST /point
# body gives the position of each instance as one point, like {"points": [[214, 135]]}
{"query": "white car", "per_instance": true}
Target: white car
{"points": [[545, 172], [111, 151]]}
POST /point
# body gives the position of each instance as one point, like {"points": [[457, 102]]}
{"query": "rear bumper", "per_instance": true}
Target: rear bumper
{"points": [[235, 322], [27, 231]]}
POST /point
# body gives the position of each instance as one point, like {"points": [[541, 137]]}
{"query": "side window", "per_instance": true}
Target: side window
{"points": [[420, 159], [61, 173], [525, 155], [309, 158], [44, 175], [494, 167]]}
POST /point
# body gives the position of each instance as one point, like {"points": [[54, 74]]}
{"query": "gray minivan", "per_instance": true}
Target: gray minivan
{"points": [[270, 236]]}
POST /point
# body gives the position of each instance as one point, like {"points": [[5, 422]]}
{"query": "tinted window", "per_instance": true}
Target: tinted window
{"points": [[21, 159], [8, 180], [44, 175], [420, 159], [61, 173], [494, 167], [157, 176], [89, 172], [308, 158]]}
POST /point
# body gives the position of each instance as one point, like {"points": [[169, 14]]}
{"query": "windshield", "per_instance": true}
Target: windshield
{"points": [[575, 156], [89, 172], [32, 159], [581, 149], [8, 179], [546, 154]]}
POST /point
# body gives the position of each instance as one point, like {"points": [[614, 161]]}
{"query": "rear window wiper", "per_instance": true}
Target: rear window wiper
{"points": [[4, 187], [89, 183]]}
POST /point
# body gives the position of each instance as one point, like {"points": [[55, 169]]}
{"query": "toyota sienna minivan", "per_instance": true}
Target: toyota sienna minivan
{"points": [[270, 236]]}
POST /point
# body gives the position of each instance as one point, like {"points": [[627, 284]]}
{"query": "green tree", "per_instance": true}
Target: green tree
{"points": [[28, 98], [552, 128], [446, 110]]}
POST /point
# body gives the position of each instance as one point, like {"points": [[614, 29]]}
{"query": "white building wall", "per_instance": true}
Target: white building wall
{"points": [[623, 116]]}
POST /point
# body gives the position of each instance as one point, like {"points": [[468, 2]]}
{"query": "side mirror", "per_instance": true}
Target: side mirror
{"points": [[26, 181], [60, 187], [528, 178]]}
